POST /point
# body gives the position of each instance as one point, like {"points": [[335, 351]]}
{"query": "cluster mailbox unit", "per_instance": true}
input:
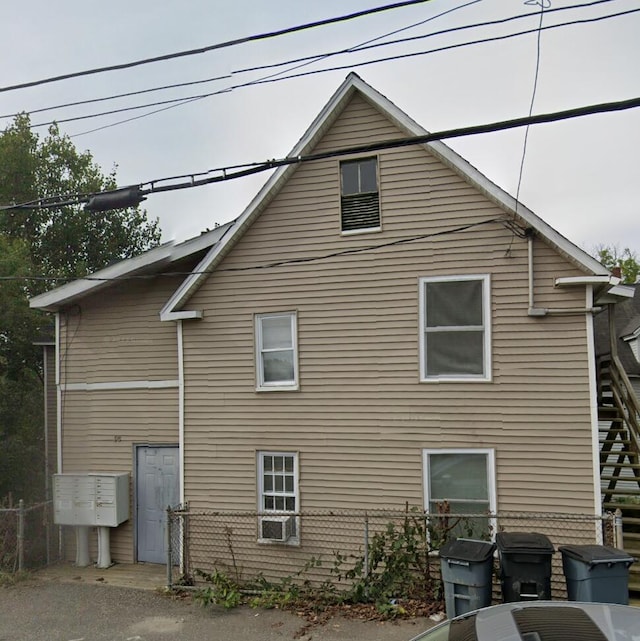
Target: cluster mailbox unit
{"points": [[91, 499]]}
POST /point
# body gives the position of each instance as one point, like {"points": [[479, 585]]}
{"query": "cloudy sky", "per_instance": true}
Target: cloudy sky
{"points": [[581, 176]]}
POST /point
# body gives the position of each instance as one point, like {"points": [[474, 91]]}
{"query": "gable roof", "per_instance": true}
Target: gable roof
{"points": [[352, 84], [147, 263]]}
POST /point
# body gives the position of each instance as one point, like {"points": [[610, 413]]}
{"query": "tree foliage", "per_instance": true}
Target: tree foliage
{"points": [[64, 241], [36, 244], [611, 256]]}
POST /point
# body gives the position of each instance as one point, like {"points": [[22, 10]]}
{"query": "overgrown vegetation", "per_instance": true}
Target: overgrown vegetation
{"points": [[398, 576], [41, 248]]}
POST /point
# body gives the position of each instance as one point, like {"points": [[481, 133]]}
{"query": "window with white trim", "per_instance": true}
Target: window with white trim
{"points": [[276, 351], [278, 500], [455, 328], [359, 201], [461, 481]]}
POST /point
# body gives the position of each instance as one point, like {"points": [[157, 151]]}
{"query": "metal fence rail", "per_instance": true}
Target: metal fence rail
{"points": [[228, 541], [28, 538]]}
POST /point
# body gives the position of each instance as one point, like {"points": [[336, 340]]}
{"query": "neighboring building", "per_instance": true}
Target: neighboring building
{"points": [[619, 413], [377, 328], [627, 335]]}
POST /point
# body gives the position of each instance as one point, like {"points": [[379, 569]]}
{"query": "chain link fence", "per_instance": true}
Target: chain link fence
{"points": [[28, 537], [326, 545]]}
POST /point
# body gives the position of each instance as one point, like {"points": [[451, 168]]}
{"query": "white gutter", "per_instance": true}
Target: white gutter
{"points": [[180, 410], [589, 281], [604, 279], [58, 397]]}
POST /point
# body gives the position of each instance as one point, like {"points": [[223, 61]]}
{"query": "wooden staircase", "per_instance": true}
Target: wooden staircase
{"points": [[619, 421]]}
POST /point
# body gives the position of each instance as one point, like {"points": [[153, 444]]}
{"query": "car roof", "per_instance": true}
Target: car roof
{"points": [[542, 621]]}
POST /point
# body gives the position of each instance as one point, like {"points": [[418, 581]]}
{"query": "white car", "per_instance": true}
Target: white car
{"points": [[541, 621]]}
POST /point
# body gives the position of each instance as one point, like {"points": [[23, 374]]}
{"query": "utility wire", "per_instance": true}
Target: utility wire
{"points": [[279, 263], [176, 102], [372, 44], [533, 97], [255, 168], [306, 60], [219, 45]]}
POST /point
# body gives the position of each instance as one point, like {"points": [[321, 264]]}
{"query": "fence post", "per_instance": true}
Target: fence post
{"points": [[169, 550], [184, 540], [366, 545], [618, 538], [20, 537]]}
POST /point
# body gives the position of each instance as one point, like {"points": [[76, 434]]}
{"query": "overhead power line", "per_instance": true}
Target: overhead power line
{"points": [[306, 60], [138, 192], [177, 102], [219, 45]]}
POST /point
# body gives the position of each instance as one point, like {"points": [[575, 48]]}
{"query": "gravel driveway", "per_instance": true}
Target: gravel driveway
{"points": [[36, 610]]}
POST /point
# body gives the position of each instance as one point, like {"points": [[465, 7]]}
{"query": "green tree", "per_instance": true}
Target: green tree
{"points": [[21, 435], [57, 242], [64, 241], [611, 256]]}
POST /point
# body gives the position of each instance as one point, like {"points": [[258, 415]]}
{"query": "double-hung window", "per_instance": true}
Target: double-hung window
{"points": [[278, 499], [455, 331], [360, 201], [276, 351], [460, 482]]}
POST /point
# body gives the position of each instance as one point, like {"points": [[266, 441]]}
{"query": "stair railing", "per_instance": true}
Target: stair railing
{"points": [[625, 400]]}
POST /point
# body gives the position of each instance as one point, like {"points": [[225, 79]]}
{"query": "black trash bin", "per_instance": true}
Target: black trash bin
{"points": [[525, 566], [467, 568], [596, 573]]}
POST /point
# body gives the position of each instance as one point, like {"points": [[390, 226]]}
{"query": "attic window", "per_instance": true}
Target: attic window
{"points": [[359, 202]]}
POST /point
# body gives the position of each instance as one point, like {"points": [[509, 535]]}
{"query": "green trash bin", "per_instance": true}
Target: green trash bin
{"points": [[467, 568], [596, 573]]}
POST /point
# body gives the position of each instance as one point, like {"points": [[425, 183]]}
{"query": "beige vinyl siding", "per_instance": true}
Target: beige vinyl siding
{"points": [[101, 429], [51, 418], [361, 417], [115, 336]]}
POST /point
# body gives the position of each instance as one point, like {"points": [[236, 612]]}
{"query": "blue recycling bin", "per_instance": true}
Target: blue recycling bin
{"points": [[596, 573], [467, 568]]}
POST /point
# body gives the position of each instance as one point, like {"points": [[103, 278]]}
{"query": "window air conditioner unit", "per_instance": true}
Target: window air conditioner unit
{"points": [[276, 528]]}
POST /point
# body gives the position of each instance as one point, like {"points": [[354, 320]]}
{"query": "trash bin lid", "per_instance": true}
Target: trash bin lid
{"points": [[524, 542], [467, 550], [593, 554]]}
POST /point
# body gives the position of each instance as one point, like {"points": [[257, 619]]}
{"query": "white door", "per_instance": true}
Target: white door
{"points": [[156, 488]]}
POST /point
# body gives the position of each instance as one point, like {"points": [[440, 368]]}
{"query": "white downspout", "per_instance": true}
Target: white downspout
{"points": [[46, 375], [58, 397], [181, 410], [58, 422], [593, 395]]}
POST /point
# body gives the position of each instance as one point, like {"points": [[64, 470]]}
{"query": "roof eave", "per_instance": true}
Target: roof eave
{"points": [[145, 263]]}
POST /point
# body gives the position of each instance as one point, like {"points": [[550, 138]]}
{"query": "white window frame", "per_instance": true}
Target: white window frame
{"points": [[294, 540], [490, 455], [275, 386], [486, 327]]}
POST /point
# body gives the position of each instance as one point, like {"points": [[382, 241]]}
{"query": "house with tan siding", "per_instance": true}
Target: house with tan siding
{"points": [[378, 327]]}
